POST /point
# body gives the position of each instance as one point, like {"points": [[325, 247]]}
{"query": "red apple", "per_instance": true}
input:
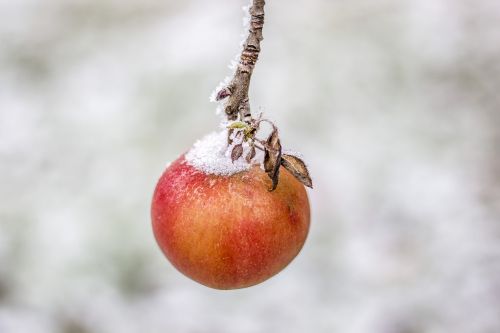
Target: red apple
{"points": [[229, 232]]}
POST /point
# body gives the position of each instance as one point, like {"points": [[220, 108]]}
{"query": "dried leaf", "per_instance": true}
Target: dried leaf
{"points": [[273, 139], [272, 157], [251, 154], [274, 164], [275, 177], [237, 152], [275, 173], [268, 163], [297, 168]]}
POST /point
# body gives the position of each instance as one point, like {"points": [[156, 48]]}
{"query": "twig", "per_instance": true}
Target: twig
{"points": [[237, 90]]}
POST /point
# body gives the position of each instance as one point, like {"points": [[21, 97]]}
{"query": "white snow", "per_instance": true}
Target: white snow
{"points": [[212, 155]]}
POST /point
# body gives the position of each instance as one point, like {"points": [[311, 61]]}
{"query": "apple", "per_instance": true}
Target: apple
{"points": [[229, 231]]}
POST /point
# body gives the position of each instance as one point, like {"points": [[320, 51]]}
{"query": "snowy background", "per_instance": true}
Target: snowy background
{"points": [[395, 105]]}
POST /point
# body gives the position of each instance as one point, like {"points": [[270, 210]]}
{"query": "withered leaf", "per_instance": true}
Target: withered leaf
{"points": [[268, 163], [273, 164], [275, 173], [297, 168], [273, 139], [251, 154], [275, 178], [237, 152], [272, 157]]}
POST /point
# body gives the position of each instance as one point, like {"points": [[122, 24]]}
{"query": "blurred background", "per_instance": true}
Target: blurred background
{"points": [[395, 105]]}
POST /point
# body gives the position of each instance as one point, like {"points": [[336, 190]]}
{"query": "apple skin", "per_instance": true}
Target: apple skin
{"points": [[229, 232]]}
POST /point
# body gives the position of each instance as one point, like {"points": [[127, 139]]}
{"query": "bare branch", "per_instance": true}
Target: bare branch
{"points": [[237, 99]]}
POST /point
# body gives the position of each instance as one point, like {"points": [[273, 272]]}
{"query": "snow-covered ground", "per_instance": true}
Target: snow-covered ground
{"points": [[394, 104]]}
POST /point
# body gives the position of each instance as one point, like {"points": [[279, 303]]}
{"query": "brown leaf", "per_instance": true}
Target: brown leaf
{"points": [[251, 154], [275, 173], [268, 163], [237, 152], [297, 168], [273, 164], [273, 139], [272, 157], [275, 177]]}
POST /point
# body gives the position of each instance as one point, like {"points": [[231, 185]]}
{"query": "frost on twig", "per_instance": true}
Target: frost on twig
{"points": [[236, 90]]}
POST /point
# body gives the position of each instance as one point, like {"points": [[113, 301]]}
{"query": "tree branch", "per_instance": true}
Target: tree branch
{"points": [[237, 90]]}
